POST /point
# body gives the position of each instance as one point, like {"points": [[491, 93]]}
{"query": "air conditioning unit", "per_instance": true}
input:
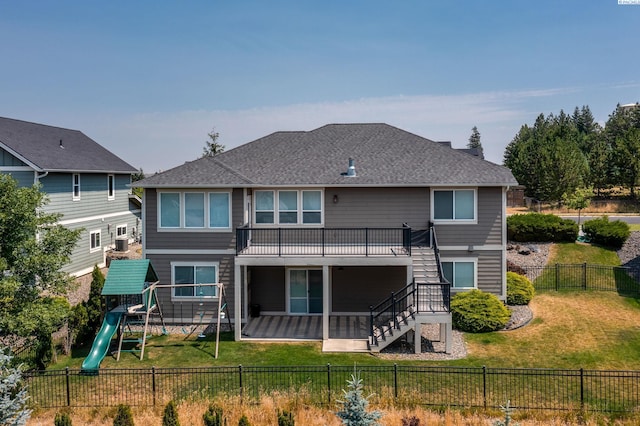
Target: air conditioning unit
{"points": [[122, 244]]}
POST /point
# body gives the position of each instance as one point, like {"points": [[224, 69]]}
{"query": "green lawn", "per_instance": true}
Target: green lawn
{"points": [[593, 330]]}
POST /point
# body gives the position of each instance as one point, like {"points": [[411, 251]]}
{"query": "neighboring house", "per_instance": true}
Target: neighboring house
{"points": [[311, 231], [83, 181]]}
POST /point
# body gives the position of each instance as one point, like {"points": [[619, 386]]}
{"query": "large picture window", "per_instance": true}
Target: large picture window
{"points": [[454, 205], [187, 276], [460, 273], [195, 210], [288, 207]]}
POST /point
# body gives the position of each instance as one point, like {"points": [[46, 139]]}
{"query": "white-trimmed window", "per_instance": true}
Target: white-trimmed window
{"points": [[288, 207], [454, 205], [111, 187], [121, 230], [94, 240], [190, 278], [461, 273], [75, 186], [195, 210]]}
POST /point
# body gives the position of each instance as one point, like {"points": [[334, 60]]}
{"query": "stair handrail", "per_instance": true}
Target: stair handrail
{"points": [[436, 251], [391, 305]]}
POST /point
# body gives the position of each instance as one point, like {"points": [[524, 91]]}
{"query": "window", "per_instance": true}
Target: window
{"points": [[76, 186], [94, 241], [121, 231], [219, 210], [460, 273], [111, 187], [454, 205], [195, 210], [186, 276], [294, 207]]}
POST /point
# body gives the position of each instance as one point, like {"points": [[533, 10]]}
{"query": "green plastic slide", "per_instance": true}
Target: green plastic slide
{"points": [[101, 343]]}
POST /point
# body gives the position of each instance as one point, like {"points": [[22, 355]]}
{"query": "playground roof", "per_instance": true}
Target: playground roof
{"points": [[128, 277]]}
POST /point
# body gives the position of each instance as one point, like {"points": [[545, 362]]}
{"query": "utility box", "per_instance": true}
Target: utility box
{"points": [[122, 244]]}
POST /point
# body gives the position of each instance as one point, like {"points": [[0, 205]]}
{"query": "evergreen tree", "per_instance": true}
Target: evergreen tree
{"points": [[13, 393], [212, 147], [474, 141], [622, 133], [62, 419], [170, 415], [354, 407], [123, 417]]}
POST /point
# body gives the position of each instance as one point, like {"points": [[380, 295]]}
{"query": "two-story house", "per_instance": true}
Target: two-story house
{"points": [[346, 231], [83, 181]]}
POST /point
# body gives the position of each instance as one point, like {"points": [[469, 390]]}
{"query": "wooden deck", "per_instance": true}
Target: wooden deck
{"points": [[290, 327]]}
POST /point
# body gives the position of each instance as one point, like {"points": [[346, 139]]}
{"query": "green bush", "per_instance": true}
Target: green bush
{"points": [[170, 416], [520, 290], [541, 227], [244, 421], [610, 234], [285, 418], [62, 419], [476, 311], [213, 416], [124, 417]]}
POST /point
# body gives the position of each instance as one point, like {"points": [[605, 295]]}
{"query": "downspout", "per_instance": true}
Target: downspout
{"points": [[40, 176]]}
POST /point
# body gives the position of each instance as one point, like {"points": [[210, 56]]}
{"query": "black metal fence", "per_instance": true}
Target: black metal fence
{"points": [[624, 280], [472, 387]]}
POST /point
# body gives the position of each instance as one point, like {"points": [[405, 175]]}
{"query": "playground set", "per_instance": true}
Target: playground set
{"points": [[132, 308]]}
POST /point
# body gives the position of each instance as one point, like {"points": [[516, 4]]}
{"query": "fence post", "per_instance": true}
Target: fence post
{"points": [[153, 383], [395, 380], [584, 276], [557, 276], [240, 381], [329, 382], [66, 373], [484, 386], [581, 388]]}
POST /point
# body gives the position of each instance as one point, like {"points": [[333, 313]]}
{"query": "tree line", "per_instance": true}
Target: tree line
{"points": [[563, 153]]}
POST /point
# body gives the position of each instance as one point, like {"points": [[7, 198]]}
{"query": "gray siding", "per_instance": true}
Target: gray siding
{"points": [[490, 271], [354, 289], [189, 240], [487, 231], [377, 207], [25, 178], [7, 159], [187, 312]]}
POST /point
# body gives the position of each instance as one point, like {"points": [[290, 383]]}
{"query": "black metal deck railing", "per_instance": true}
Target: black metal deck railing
{"points": [[323, 241]]}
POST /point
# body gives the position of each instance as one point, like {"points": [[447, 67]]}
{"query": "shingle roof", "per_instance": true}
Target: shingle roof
{"points": [[48, 148], [383, 154]]}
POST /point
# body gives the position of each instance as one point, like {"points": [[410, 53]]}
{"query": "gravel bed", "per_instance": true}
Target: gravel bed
{"points": [[629, 254]]}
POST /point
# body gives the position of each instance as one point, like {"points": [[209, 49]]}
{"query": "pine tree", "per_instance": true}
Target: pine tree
{"points": [[170, 415], [62, 419], [474, 141], [212, 147], [124, 417], [13, 393], [354, 407]]}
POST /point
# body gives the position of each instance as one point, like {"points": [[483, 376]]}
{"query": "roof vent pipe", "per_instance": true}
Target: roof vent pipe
{"points": [[61, 146], [351, 171]]}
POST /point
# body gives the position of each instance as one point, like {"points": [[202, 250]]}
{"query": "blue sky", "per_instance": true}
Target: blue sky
{"points": [[149, 79]]}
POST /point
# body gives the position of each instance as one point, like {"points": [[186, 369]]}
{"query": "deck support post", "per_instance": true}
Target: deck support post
{"points": [[417, 337], [326, 305], [238, 288]]}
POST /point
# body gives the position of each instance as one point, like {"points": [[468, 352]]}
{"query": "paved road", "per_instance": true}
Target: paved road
{"points": [[631, 220]]}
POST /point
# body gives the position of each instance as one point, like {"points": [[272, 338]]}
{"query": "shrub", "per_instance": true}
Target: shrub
{"points": [[213, 416], [541, 227], [354, 407], [170, 416], [244, 421], [520, 290], [410, 421], [610, 234], [62, 419], [512, 267], [124, 417], [476, 311], [285, 418]]}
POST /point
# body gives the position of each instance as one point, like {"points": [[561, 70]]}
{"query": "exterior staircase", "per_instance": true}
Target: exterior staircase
{"points": [[396, 316]]}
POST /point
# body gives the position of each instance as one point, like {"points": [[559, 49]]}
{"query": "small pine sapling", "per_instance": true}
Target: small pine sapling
{"points": [[354, 407], [123, 417], [507, 410], [213, 416], [170, 416], [62, 419], [244, 421], [285, 418]]}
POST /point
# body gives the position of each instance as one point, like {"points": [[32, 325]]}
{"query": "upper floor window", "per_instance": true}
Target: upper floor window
{"points": [[195, 210], [121, 230], [461, 273], [454, 205], [288, 207], [76, 186], [111, 187], [194, 280], [94, 241]]}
